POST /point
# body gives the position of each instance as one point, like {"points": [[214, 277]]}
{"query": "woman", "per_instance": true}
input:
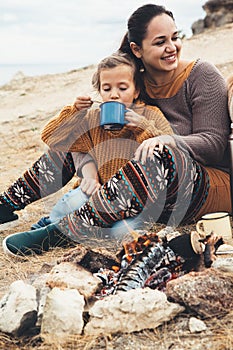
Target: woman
{"points": [[191, 94], [178, 178]]}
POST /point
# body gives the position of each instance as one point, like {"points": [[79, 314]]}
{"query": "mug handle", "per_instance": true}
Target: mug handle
{"points": [[200, 229]]}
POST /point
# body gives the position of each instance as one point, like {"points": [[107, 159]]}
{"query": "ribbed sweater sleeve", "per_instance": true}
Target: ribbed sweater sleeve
{"points": [[199, 116], [210, 118], [230, 95], [59, 132], [110, 150]]}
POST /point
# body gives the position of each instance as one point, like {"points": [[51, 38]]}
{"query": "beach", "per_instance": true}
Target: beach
{"points": [[26, 105]]}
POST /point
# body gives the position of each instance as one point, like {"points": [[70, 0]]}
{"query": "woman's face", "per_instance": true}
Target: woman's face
{"points": [[117, 84], [161, 47]]}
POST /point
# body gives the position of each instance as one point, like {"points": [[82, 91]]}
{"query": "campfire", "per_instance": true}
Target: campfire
{"points": [[146, 261], [89, 287]]}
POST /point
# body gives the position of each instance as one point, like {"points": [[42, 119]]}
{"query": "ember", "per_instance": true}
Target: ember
{"points": [[151, 260], [145, 261], [137, 246]]}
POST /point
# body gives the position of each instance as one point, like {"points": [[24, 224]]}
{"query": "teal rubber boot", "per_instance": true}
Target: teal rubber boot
{"points": [[35, 241]]}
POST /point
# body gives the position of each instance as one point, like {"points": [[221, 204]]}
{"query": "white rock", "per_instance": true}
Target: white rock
{"points": [[223, 264], [130, 311], [196, 325], [62, 315], [71, 275], [18, 308]]}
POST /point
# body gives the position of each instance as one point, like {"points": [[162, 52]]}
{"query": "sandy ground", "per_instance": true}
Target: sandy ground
{"points": [[27, 103]]}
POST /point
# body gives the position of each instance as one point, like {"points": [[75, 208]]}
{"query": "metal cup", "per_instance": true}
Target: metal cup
{"points": [[112, 115]]}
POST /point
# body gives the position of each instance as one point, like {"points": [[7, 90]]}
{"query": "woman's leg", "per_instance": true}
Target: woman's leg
{"points": [[48, 174], [172, 186]]}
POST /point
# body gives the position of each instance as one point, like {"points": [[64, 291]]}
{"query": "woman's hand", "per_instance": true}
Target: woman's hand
{"points": [[146, 149], [89, 185], [83, 102]]}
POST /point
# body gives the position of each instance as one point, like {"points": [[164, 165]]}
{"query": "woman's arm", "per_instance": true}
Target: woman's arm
{"points": [[207, 93]]}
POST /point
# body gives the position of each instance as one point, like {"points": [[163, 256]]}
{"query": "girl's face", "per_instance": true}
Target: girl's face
{"points": [[160, 51], [117, 84]]}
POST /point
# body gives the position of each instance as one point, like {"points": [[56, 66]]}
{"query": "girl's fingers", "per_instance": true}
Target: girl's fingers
{"points": [[83, 102]]}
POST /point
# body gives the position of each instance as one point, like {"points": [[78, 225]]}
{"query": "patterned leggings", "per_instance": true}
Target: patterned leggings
{"points": [[48, 174], [172, 186]]}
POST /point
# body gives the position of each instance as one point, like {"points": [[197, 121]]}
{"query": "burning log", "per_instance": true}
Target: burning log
{"points": [[143, 258], [152, 261], [149, 260]]}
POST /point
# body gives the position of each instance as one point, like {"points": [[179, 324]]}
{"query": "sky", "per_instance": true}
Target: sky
{"points": [[75, 31]]}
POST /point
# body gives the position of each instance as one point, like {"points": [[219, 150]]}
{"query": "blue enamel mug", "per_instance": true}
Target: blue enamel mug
{"points": [[112, 115]]}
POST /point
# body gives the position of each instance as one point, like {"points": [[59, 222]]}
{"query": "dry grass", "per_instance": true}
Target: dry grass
{"points": [[174, 335]]}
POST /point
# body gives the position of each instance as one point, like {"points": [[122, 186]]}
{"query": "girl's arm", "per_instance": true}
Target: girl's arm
{"points": [[90, 181]]}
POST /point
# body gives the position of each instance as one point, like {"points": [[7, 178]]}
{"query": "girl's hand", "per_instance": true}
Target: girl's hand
{"points": [[133, 118], [83, 102], [89, 185], [146, 149]]}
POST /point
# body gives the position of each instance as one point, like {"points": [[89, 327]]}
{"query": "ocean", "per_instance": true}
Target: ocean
{"points": [[7, 71]]}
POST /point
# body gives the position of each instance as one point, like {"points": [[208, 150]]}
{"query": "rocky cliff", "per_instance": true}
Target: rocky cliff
{"points": [[218, 13]]}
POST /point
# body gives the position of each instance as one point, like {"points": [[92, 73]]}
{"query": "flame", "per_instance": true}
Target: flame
{"points": [[138, 245], [115, 268]]}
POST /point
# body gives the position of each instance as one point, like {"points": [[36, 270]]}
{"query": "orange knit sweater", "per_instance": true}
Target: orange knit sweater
{"points": [[80, 132]]}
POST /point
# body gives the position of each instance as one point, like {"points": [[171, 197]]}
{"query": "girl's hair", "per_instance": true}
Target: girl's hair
{"points": [[137, 27], [115, 60]]}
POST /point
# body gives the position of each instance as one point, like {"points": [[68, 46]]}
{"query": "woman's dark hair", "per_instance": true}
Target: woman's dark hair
{"points": [[137, 30], [138, 24]]}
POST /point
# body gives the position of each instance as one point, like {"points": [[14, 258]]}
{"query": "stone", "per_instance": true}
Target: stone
{"points": [[196, 325], [198, 26], [42, 296], [71, 275], [18, 309], [207, 293], [225, 249], [63, 314], [130, 311], [218, 13], [224, 264]]}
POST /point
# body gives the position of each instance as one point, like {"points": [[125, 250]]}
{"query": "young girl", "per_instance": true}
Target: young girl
{"points": [[115, 80], [71, 131]]}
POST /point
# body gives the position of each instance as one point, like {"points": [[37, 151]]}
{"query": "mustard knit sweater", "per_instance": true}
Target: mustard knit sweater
{"points": [[73, 131]]}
